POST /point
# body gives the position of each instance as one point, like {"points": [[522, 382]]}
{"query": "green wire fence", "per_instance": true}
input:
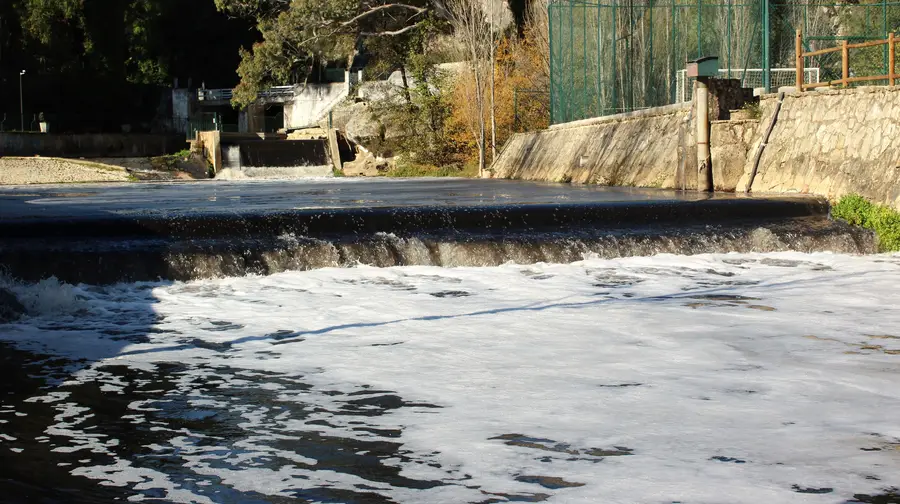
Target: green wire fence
{"points": [[611, 56]]}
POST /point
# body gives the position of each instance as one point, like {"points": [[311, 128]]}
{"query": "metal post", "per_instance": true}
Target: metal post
{"points": [[554, 93], [615, 77], [674, 65], [728, 39], [701, 97], [21, 101], [766, 48], [585, 113], [798, 48], [647, 85], [699, 29], [884, 27]]}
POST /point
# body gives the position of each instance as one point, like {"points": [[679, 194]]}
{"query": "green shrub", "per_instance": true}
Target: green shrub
{"points": [[405, 168], [754, 110], [859, 211]]}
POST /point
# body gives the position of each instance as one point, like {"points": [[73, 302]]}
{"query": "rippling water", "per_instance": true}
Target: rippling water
{"points": [[729, 377]]}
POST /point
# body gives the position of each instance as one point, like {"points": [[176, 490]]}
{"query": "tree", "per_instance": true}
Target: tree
{"points": [[95, 65], [474, 31], [300, 35]]}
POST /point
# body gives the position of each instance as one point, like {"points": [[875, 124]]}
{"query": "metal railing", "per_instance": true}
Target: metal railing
{"points": [[228, 94]]}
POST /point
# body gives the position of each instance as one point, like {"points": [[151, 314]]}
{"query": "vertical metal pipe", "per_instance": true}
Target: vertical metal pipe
{"points": [[701, 95]]}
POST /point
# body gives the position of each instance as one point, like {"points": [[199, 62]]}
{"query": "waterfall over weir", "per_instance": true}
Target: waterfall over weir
{"points": [[189, 231]]}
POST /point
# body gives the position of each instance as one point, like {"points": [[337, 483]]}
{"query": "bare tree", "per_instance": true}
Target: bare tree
{"points": [[474, 32], [493, 66]]}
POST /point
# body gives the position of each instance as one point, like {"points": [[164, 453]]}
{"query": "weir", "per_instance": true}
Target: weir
{"points": [[180, 232]]}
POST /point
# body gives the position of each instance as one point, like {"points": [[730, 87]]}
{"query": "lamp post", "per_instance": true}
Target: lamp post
{"points": [[21, 102]]}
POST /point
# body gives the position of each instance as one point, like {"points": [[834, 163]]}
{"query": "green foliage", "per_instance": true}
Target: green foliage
{"points": [[754, 110], [301, 36], [859, 211], [405, 168]]}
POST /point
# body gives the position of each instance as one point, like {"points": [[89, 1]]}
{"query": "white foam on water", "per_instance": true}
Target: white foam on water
{"points": [[740, 378]]}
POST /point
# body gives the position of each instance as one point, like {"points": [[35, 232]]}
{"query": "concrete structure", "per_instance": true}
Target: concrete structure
{"points": [[99, 145], [830, 143]]}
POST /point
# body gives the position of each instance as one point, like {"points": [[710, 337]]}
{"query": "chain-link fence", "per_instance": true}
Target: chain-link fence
{"points": [[610, 56]]}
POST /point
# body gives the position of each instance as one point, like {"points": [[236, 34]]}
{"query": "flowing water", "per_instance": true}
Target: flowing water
{"points": [[451, 342], [711, 378]]}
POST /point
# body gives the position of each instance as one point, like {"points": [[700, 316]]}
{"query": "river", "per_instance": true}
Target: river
{"points": [[740, 378]]}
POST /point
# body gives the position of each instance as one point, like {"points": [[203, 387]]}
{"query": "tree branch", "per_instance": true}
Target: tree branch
{"points": [[373, 10], [393, 32]]}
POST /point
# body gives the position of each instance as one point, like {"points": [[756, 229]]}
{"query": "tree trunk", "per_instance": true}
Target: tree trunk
{"points": [[493, 109], [479, 102], [406, 95]]}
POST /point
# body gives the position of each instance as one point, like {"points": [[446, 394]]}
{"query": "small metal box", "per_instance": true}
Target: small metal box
{"points": [[707, 66]]}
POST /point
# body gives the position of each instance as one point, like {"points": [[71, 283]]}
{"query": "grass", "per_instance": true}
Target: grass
{"points": [[859, 211], [408, 169], [754, 110], [169, 162]]}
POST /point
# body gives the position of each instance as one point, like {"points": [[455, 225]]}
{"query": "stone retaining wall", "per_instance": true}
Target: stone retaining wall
{"points": [[829, 143], [832, 143], [638, 149]]}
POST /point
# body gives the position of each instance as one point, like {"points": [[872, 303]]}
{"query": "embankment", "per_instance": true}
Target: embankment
{"points": [[832, 143], [101, 145], [634, 149], [829, 143]]}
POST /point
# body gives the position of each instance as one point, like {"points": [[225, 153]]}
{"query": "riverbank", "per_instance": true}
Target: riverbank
{"points": [[28, 171]]}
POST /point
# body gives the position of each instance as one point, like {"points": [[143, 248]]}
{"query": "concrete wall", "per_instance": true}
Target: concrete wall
{"points": [[645, 149], [212, 148], [89, 145], [730, 145], [312, 103], [829, 143], [832, 143]]}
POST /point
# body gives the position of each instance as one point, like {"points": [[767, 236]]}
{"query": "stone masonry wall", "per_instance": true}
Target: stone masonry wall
{"points": [[831, 143], [636, 149], [730, 145]]}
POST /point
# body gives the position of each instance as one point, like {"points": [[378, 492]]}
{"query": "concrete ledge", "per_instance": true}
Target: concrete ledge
{"points": [[637, 114]]}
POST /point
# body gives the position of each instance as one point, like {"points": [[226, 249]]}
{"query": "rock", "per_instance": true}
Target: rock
{"points": [[10, 307], [365, 165]]}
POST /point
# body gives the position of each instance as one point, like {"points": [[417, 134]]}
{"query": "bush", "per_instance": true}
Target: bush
{"points": [[411, 169], [859, 211]]}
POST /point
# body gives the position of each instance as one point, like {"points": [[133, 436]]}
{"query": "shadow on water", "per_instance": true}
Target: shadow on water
{"points": [[85, 429]]}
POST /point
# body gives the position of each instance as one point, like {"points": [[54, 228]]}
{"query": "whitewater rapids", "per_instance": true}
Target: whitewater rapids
{"points": [[740, 378]]}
